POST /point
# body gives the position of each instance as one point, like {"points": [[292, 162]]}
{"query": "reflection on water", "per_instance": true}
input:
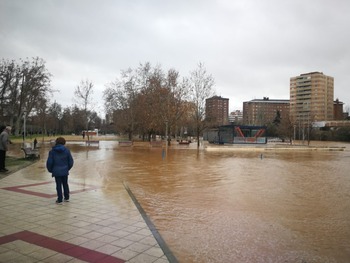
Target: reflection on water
{"points": [[236, 206]]}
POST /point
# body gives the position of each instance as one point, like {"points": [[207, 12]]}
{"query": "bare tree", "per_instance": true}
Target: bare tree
{"points": [[148, 101], [347, 109], [286, 129], [22, 87], [155, 102], [9, 78], [54, 115], [78, 123], [83, 96], [41, 115], [120, 101], [166, 96], [201, 87], [67, 121]]}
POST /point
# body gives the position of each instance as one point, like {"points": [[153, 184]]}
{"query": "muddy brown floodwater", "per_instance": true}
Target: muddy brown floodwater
{"points": [[291, 206]]}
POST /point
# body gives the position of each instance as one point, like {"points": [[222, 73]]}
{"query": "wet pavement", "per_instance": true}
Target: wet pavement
{"points": [[97, 225]]}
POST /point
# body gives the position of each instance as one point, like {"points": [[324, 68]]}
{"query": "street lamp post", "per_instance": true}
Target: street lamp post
{"points": [[294, 132], [166, 136], [165, 151], [24, 124]]}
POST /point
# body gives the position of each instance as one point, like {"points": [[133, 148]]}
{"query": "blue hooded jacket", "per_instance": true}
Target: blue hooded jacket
{"points": [[60, 161]]}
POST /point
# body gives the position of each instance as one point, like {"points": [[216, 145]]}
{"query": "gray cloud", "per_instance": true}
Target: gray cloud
{"points": [[250, 47]]}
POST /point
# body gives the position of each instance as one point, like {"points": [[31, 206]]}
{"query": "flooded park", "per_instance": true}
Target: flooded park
{"points": [[232, 206]]}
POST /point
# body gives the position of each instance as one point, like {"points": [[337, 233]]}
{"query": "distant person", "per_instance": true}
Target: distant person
{"points": [[83, 135], [4, 141], [58, 163], [35, 143]]}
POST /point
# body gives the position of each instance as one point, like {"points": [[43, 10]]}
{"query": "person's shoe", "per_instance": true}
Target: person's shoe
{"points": [[4, 170], [58, 202], [66, 200]]}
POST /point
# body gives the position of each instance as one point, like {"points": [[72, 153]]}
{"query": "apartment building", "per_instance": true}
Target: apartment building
{"points": [[311, 97], [236, 116], [216, 110], [338, 113], [264, 111]]}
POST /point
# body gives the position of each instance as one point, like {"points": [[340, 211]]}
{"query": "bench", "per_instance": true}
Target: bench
{"points": [[31, 153], [92, 143], [125, 143]]}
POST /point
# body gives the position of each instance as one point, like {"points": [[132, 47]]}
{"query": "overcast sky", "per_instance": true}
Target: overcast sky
{"points": [[250, 47]]}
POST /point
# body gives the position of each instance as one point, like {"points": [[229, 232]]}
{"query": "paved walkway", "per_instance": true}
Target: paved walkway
{"points": [[97, 225]]}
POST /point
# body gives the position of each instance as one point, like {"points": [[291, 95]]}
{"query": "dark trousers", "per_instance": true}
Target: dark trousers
{"points": [[62, 181], [2, 159]]}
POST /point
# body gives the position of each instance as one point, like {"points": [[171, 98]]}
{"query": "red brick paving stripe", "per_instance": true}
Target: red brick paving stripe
{"points": [[19, 189], [62, 247], [95, 256], [76, 251], [22, 191], [27, 185], [53, 244], [7, 239]]}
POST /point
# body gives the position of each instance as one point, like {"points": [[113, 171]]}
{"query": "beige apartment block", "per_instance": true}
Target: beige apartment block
{"points": [[311, 97]]}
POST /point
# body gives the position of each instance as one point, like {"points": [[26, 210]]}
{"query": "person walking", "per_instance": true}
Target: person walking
{"points": [[58, 163], [4, 141]]}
